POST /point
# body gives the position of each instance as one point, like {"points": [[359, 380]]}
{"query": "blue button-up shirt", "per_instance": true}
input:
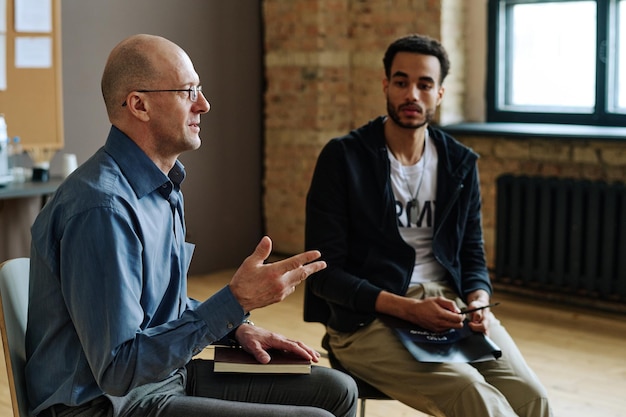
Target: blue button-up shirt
{"points": [[108, 308]]}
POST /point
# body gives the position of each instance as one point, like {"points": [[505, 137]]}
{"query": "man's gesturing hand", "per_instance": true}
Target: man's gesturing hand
{"points": [[256, 284]]}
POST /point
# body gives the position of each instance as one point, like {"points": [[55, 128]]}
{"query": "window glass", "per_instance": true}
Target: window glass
{"points": [[557, 61], [552, 65], [621, 58]]}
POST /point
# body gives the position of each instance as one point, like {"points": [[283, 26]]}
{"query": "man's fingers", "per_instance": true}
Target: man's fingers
{"points": [[313, 267], [297, 272], [297, 276], [297, 261], [263, 249]]}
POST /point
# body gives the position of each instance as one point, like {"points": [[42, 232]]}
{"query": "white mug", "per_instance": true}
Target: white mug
{"points": [[69, 164]]}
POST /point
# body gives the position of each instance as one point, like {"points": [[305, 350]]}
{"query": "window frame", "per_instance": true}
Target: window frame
{"points": [[600, 114]]}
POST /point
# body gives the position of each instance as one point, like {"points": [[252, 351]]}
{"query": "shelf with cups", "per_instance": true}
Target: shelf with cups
{"points": [[30, 188], [36, 182]]}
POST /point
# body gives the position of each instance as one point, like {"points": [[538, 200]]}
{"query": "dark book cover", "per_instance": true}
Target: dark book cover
{"points": [[232, 359], [454, 345]]}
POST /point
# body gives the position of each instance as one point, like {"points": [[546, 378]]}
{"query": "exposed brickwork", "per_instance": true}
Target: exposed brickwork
{"points": [[324, 76]]}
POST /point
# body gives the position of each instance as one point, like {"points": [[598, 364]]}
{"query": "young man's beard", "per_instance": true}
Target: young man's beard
{"points": [[393, 114]]}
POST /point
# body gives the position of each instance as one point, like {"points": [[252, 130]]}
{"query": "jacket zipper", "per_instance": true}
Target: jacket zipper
{"points": [[446, 212]]}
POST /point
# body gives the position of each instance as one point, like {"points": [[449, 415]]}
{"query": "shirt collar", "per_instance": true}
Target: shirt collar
{"points": [[142, 174]]}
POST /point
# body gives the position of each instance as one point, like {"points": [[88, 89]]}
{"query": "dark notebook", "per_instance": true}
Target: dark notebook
{"points": [[229, 359], [454, 345]]}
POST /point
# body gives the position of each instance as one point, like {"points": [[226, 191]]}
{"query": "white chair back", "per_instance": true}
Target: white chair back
{"points": [[13, 315]]}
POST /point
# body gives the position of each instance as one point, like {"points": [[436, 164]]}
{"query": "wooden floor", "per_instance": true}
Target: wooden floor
{"points": [[580, 355]]}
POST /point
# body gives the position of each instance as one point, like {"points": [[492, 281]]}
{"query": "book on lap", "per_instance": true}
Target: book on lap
{"points": [[234, 359], [454, 345]]}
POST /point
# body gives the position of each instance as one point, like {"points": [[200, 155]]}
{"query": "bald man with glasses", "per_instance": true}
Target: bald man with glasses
{"points": [[111, 331]]}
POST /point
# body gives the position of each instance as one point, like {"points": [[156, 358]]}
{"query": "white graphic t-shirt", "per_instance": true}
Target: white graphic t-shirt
{"points": [[415, 188]]}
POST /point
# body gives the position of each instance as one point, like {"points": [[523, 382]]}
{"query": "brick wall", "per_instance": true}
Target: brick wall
{"points": [[324, 77]]}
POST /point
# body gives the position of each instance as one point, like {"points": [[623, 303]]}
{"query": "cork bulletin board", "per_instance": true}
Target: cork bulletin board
{"points": [[30, 87]]}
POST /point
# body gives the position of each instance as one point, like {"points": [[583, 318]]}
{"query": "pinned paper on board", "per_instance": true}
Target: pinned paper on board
{"points": [[33, 16], [33, 52], [3, 45], [3, 61], [3, 16], [30, 56]]}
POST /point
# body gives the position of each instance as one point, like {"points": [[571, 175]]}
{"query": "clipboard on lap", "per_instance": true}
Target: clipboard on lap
{"points": [[454, 345]]}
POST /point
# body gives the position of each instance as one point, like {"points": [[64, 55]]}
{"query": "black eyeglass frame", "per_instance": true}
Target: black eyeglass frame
{"points": [[193, 91]]}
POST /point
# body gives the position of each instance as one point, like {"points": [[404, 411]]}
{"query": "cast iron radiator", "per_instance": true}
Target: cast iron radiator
{"points": [[562, 236]]}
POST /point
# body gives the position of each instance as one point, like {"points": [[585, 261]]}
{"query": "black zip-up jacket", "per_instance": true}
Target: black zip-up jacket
{"points": [[351, 220]]}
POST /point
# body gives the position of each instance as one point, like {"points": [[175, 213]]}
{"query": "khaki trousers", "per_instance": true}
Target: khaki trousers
{"points": [[502, 388]]}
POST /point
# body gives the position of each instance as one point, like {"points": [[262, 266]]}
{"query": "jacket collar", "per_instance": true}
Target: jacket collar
{"points": [[457, 159]]}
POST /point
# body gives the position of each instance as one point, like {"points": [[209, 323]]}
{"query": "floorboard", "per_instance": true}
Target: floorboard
{"points": [[579, 354]]}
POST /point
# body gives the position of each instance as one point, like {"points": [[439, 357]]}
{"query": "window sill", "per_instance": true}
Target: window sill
{"points": [[543, 130]]}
